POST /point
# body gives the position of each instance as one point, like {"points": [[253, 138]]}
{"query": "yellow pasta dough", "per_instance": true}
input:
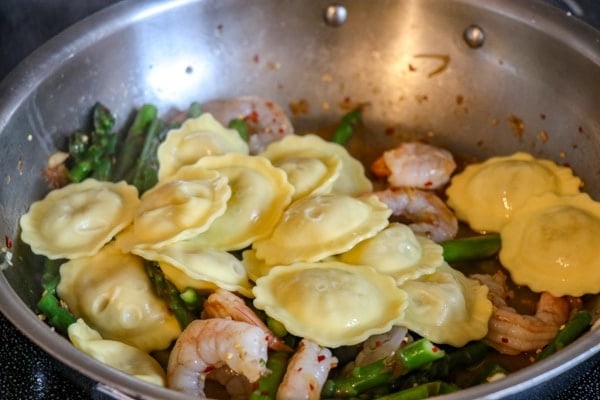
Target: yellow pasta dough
{"points": [[330, 303], [398, 252], [447, 307], [259, 194], [552, 245], [121, 356], [486, 195], [113, 294], [351, 178], [78, 219], [316, 227], [176, 209], [196, 138], [200, 266]]}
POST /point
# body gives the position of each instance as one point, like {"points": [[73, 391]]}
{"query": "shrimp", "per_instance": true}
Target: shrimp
{"points": [[206, 344], [512, 333], [307, 372], [224, 304], [377, 347], [415, 164], [429, 214], [267, 121]]}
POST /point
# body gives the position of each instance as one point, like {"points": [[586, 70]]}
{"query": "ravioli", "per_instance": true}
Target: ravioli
{"points": [[121, 356], [176, 209], [201, 266], [113, 294], [259, 194], [316, 227], [447, 307], [331, 303], [78, 219], [196, 138], [310, 172], [551, 245], [398, 252], [485, 195], [351, 179]]}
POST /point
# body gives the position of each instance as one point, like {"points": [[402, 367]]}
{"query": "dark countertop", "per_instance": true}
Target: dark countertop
{"points": [[27, 371]]}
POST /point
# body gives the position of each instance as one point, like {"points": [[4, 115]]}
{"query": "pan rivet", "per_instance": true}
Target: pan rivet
{"points": [[474, 36], [335, 15]]}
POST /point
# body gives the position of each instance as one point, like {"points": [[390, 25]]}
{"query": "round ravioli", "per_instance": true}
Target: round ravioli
{"points": [[351, 179], [259, 194], [218, 267], [78, 219], [121, 356], [551, 245], [447, 307], [310, 172], [486, 195], [331, 303], [177, 209], [196, 138], [398, 252], [316, 227], [113, 294]]}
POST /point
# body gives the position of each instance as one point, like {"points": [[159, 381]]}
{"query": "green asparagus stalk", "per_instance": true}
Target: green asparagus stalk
{"points": [[345, 129], [134, 141], [422, 391], [575, 326], [92, 154], [241, 127], [267, 385], [406, 359], [493, 372], [49, 304], [169, 293], [469, 354], [471, 248], [145, 174]]}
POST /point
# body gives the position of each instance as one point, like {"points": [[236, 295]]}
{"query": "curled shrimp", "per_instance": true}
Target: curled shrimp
{"points": [[307, 372], [429, 214], [207, 344], [415, 164], [266, 120], [377, 347], [225, 304], [512, 333]]}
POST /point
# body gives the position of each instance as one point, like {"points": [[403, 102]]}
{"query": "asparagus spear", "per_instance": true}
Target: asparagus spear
{"points": [[145, 174], [49, 304], [345, 129], [267, 385], [441, 369], [169, 293], [575, 326], [471, 248], [93, 153], [422, 391], [405, 359], [241, 126], [134, 141]]}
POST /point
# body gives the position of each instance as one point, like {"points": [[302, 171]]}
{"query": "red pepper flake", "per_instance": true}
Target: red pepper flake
{"points": [[435, 349], [504, 340], [459, 99], [256, 58], [299, 369], [411, 68], [428, 184], [320, 358], [389, 131], [8, 242], [378, 343], [311, 386], [266, 338], [252, 117], [208, 369]]}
